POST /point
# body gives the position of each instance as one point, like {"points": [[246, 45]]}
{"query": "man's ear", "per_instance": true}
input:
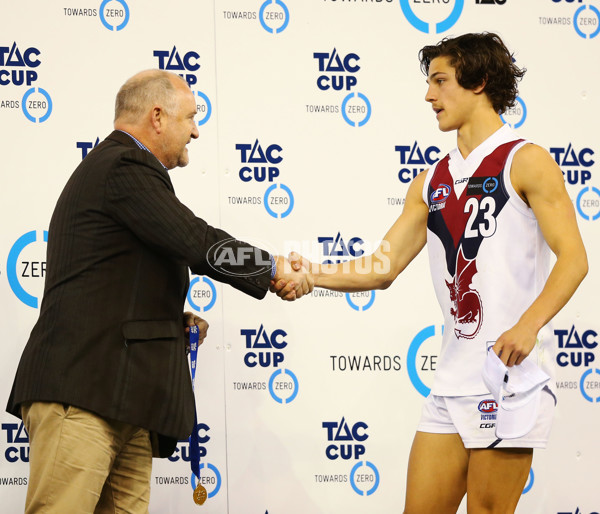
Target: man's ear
{"points": [[157, 119]]}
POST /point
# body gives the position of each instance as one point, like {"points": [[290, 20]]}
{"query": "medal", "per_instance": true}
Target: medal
{"points": [[200, 494]]}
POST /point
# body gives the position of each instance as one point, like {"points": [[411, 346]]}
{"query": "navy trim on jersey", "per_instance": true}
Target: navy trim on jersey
{"points": [[449, 215]]}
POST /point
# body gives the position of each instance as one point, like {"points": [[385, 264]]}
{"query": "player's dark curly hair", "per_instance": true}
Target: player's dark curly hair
{"points": [[477, 59]]}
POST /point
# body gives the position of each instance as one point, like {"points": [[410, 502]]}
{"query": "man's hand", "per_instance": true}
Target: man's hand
{"points": [[298, 262], [290, 283], [189, 320]]}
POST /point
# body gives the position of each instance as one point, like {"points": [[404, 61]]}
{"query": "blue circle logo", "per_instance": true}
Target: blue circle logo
{"points": [[196, 294], [214, 469], [281, 18], [287, 202], [367, 294], [205, 109], [295, 384], [364, 110], [585, 375], [11, 267], [424, 26], [122, 13], [36, 104], [356, 467], [588, 21], [411, 359], [490, 185], [529, 483], [521, 114], [589, 203]]}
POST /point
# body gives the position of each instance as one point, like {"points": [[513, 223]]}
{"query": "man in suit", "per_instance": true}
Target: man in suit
{"points": [[103, 383]]}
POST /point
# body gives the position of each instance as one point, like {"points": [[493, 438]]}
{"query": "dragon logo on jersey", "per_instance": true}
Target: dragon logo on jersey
{"points": [[467, 309]]}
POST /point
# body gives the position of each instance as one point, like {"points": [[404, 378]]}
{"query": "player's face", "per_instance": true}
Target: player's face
{"points": [[451, 102], [181, 128]]}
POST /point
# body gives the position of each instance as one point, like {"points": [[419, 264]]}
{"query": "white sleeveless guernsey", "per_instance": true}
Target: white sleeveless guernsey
{"points": [[488, 259]]}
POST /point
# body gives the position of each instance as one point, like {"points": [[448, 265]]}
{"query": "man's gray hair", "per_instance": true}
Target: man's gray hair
{"points": [[142, 91]]}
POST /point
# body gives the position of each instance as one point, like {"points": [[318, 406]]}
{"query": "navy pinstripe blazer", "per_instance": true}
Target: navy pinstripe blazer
{"points": [[110, 335]]}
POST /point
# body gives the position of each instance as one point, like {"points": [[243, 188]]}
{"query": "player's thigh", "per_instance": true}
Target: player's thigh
{"points": [[496, 479], [437, 474]]}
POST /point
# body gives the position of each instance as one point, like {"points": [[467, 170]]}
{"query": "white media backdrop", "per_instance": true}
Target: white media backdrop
{"points": [[312, 123]]}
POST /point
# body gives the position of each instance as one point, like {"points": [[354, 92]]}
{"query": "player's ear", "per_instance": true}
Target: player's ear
{"points": [[480, 88]]}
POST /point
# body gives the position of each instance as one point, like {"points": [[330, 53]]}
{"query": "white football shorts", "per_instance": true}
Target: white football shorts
{"points": [[474, 419]]}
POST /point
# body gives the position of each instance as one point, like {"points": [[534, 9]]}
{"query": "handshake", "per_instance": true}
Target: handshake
{"points": [[293, 277]]}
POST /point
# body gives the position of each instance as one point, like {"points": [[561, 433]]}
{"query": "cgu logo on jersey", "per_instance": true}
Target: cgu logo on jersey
{"points": [[488, 409], [18, 66], [345, 440], [414, 160], [574, 163], [467, 310], [87, 146], [575, 348], [335, 250], [17, 442], [265, 349], [258, 162], [337, 71], [185, 65], [182, 451]]}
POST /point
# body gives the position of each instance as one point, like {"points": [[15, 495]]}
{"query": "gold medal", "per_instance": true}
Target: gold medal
{"points": [[200, 494]]}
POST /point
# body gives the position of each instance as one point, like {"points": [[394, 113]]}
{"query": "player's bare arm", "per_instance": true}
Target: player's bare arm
{"points": [[402, 243], [540, 183]]}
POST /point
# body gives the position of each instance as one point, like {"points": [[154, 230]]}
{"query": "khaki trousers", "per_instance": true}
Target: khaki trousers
{"points": [[82, 463]]}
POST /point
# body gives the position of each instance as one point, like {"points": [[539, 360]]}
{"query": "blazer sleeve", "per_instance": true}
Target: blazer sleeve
{"points": [[139, 195]]}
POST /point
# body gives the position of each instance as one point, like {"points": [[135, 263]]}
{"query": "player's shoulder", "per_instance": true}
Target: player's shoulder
{"points": [[533, 167], [416, 191], [531, 153], [418, 183]]}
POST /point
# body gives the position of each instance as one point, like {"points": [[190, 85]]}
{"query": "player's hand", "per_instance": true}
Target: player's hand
{"points": [[514, 345], [289, 282]]}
